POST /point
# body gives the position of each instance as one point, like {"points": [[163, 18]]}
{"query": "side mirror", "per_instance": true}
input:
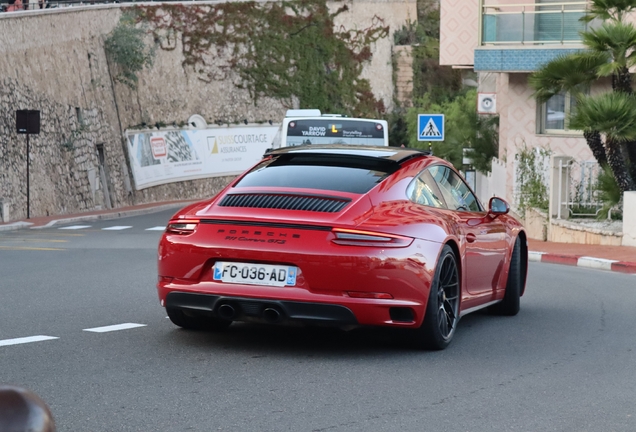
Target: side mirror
{"points": [[498, 206]]}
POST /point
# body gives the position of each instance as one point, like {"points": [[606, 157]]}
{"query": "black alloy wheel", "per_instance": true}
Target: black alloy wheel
{"points": [[448, 296], [442, 310]]}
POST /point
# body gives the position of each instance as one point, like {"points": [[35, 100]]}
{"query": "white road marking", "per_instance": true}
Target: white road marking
{"points": [[157, 228], [75, 227], [116, 228], [124, 326], [24, 340]]}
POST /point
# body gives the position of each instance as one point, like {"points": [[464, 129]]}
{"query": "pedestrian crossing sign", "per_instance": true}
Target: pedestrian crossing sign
{"points": [[430, 127]]}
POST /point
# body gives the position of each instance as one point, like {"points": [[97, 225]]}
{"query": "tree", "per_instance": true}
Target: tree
{"points": [[464, 129], [613, 115], [611, 51]]}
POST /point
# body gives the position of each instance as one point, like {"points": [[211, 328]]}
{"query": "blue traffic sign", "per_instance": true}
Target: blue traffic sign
{"points": [[430, 127]]}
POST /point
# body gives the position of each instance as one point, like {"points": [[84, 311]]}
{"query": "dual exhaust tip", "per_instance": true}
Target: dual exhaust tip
{"points": [[269, 314]]}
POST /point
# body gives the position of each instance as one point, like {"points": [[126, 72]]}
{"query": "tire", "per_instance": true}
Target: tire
{"points": [[442, 308], [510, 304], [181, 319]]}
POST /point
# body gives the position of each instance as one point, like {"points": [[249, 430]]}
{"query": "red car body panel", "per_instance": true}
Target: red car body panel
{"points": [[336, 274]]}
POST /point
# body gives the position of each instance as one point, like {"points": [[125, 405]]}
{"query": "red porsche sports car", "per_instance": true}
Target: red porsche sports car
{"points": [[344, 236]]}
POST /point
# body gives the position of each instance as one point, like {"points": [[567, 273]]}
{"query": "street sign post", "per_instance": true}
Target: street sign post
{"points": [[27, 122], [430, 127]]}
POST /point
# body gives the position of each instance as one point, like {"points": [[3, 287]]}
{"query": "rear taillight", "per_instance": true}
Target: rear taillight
{"points": [[349, 237], [182, 226]]}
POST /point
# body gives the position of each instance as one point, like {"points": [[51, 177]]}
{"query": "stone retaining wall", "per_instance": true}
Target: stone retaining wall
{"points": [[53, 60]]}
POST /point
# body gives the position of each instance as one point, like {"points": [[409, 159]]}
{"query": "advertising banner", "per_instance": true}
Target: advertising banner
{"points": [[159, 157]]}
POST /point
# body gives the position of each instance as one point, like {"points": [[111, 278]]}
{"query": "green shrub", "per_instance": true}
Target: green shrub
{"points": [[609, 193], [126, 48]]}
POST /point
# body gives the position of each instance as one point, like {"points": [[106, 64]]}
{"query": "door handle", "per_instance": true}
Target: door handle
{"points": [[470, 237]]}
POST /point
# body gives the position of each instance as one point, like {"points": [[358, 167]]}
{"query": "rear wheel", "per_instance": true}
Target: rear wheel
{"points": [[194, 322], [510, 304], [440, 321]]}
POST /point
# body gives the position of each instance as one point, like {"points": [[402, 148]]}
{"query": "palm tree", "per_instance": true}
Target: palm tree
{"points": [[612, 114], [574, 74], [611, 52]]}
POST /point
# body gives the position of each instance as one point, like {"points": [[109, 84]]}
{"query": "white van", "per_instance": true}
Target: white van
{"points": [[310, 126]]}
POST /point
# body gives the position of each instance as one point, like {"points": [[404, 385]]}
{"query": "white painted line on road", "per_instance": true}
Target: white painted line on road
{"points": [[115, 327], [23, 340], [535, 256], [116, 228], [157, 228], [595, 263], [75, 227]]}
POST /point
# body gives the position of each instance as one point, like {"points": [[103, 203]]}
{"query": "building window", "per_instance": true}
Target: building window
{"points": [[555, 113]]}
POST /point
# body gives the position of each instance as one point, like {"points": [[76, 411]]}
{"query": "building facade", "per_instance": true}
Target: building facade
{"points": [[505, 41]]}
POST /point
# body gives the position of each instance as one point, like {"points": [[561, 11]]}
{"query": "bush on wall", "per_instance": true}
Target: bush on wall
{"points": [[289, 50], [126, 48]]}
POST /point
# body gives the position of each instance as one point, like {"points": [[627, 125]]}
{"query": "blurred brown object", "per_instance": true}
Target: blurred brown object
{"points": [[23, 411]]}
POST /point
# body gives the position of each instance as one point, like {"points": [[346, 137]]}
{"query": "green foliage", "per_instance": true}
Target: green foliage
{"points": [[611, 52], [69, 144], [609, 193], [126, 47], [533, 186], [609, 10], [440, 83], [398, 132], [409, 34], [612, 114], [289, 50], [434, 87], [464, 128], [567, 73], [615, 39]]}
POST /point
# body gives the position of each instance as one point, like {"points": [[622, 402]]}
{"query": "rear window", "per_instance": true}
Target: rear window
{"points": [[326, 172]]}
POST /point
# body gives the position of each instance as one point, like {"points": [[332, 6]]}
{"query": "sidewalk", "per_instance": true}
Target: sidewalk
{"points": [[613, 258]]}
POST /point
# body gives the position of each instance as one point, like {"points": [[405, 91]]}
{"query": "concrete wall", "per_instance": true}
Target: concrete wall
{"points": [[629, 218], [562, 231], [459, 32], [363, 13], [403, 57], [54, 60], [536, 224]]}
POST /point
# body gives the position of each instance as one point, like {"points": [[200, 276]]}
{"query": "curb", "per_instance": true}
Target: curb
{"points": [[583, 261], [15, 226], [93, 217]]}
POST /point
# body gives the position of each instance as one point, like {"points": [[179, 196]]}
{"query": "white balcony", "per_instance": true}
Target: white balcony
{"points": [[539, 23]]}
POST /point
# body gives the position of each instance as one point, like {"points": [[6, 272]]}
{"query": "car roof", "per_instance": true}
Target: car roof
{"points": [[394, 154]]}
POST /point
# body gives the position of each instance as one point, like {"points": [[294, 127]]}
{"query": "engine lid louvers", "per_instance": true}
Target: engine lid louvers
{"points": [[285, 202]]}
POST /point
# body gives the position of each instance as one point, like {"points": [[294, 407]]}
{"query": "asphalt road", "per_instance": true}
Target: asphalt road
{"points": [[565, 363]]}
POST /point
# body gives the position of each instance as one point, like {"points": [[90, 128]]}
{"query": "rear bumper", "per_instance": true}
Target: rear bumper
{"points": [[246, 308], [303, 307]]}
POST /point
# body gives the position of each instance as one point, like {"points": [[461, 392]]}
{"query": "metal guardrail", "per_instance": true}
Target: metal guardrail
{"points": [[54, 4], [578, 189], [49, 4], [533, 23]]}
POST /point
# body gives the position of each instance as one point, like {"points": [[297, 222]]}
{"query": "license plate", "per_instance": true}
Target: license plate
{"points": [[255, 274]]}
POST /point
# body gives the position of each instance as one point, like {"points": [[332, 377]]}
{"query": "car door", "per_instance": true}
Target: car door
{"points": [[484, 238]]}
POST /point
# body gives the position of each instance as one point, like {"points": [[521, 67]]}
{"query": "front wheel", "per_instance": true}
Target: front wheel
{"points": [[441, 317], [193, 322], [510, 304]]}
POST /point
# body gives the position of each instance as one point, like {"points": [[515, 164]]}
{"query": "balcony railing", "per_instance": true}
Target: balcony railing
{"points": [[540, 23]]}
